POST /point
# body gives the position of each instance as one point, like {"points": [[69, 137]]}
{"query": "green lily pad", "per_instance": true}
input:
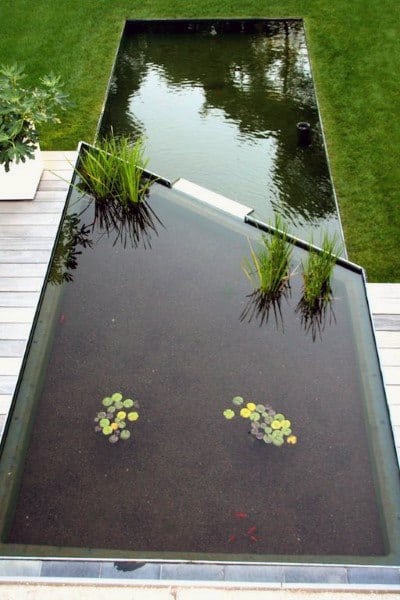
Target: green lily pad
{"points": [[101, 414], [277, 434], [267, 439], [268, 419], [111, 409], [260, 408], [286, 430], [113, 439], [107, 401], [277, 441], [133, 416], [118, 405], [107, 430], [255, 416], [268, 429], [122, 424], [279, 417], [238, 400], [116, 397], [125, 434], [128, 403], [104, 422], [228, 413]]}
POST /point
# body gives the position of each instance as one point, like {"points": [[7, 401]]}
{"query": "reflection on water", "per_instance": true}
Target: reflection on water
{"points": [[260, 305], [315, 318], [221, 110], [128, 224]]}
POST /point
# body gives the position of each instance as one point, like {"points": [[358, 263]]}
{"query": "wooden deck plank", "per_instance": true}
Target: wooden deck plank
{"points": [[18, 314], [24, 256], [391, 375], [55, 206], [32, 243], [23, 299], [387, 322], [383, 290], [23, 269], [30, 219], [390, 357], [15, 331], [388, 339], [28, 231], [5, 403], [12, 348], [11, 365], [7, 384], [23, 284], [53, 185], [58, 174]]}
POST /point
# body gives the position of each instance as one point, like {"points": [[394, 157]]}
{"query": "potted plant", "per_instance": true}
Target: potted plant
{"points": [[21, 111]]}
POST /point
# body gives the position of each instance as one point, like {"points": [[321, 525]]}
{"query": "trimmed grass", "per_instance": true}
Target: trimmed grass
{"points": [[355, 57]]}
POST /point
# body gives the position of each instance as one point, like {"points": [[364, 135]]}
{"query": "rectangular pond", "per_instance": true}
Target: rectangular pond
{"points": [[218, 103], [155, 315]]}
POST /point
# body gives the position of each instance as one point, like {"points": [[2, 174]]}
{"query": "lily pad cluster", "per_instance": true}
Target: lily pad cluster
{"points": [[266, 424], [113, 420]]}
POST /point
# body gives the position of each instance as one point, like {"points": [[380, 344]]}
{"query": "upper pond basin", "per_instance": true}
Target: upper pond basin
{"points": [[220, 108], [159, 321]]}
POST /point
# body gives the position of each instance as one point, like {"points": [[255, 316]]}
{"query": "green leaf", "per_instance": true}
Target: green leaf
{"points": [[280, 417], [237, 400], [104, 423], [255, 416], [122, 424], [128, 403], [116, 397], [228, 413], [260, 408], [107, 430], [125, 434], [107, 401]]}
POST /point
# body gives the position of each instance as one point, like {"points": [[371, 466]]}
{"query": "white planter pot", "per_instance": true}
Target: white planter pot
{"points": [[22, 180]]}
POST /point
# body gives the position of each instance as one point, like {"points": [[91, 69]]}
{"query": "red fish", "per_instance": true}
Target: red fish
{"points": [[62, 318], [252, 530], [231, 538], [255, 538], [240, 515]]}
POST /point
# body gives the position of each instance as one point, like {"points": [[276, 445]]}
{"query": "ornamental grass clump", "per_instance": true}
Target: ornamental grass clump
{"points": [[113, 171], [266, 424], [113, 421], [317, 274], [268, 270]]}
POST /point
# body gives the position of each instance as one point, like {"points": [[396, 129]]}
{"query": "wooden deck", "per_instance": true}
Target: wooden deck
{"points": [[27, 231]]}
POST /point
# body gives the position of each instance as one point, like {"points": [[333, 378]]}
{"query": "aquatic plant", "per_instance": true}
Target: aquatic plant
{"points": [[266, 424], [315, 302], [317, 272], [111, 421], [114, 171], [268, 270]]}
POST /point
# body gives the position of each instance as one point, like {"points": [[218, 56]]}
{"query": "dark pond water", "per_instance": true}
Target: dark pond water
{"points": [[221, 110], [159, 321]]}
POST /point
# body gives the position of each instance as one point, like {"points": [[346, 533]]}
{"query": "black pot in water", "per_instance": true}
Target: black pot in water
{"points": [[303, 133]]}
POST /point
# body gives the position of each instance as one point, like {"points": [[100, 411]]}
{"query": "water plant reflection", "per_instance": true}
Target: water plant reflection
{"points": [[73, 235]]}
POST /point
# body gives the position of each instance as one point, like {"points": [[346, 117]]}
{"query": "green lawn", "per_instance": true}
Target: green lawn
{"points": [[355, 57]]}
